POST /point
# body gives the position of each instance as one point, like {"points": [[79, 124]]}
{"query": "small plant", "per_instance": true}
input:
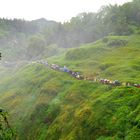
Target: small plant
{"points": [[6, 132], [116, 43], [105, 39]]}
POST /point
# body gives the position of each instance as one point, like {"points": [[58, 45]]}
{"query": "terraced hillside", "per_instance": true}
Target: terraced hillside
{"points": [[45, 104], [113, 57]]}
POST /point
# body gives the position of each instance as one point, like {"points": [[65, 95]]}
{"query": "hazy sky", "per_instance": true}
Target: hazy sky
{"points": [[58, 10]]}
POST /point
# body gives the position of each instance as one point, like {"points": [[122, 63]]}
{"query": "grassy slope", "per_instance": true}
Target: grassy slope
{"points": [[45, 104], [113, 62], [29, 89]]}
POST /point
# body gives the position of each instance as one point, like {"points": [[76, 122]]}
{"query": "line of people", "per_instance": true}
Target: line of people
{"points": [[79, 76], [118, 83], [74, 74]]}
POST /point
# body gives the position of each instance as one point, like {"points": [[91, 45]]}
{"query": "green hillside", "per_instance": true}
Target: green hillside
{"points": [[113, 57], [45, 104], [40, 103]]}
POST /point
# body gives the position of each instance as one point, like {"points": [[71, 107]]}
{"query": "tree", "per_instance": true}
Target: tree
{"points": [[36, 47]]}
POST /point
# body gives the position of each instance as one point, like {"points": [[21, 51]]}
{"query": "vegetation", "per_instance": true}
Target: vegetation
{"points": [[45, 104], [48, 104], [98, 59], [6, 132], [17, 36]]}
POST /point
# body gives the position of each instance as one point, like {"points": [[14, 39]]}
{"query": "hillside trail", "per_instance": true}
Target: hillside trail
{"points": [[79, 76]]}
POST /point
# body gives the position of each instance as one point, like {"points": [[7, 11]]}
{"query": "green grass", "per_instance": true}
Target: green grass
{"points": [[44, 104], [113, 62]]}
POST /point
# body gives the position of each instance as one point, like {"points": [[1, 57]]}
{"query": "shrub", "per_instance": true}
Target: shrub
{"points": [[105, 66], [105, 39], [136, 67], [116, 43]]}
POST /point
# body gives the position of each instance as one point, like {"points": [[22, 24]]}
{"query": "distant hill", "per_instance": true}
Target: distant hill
{"points": [[15, 36], [42, 23]]}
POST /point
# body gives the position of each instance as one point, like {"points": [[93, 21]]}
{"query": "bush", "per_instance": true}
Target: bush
{"points": [[116, 42], [136, 67], [105, 39], [106, 65], [76, 54]]}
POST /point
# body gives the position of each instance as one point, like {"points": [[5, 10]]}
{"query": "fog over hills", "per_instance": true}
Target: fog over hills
{"points": [[84, 28], [77, 80]]}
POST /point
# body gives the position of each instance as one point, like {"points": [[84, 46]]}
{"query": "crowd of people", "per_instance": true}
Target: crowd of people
{"points": [[79, 76], [75, 74], [118, 83]]}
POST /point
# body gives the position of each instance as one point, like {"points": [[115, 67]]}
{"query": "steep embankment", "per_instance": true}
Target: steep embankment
{"points": [[46, 104], [30, 89], [50, 105]]}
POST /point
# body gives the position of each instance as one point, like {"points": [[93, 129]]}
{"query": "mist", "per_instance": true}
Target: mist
{"points": [[22, 40]]}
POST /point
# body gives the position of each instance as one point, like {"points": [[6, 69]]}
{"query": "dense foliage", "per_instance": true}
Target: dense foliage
{"points": [[6, 132], [15, 35]]}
